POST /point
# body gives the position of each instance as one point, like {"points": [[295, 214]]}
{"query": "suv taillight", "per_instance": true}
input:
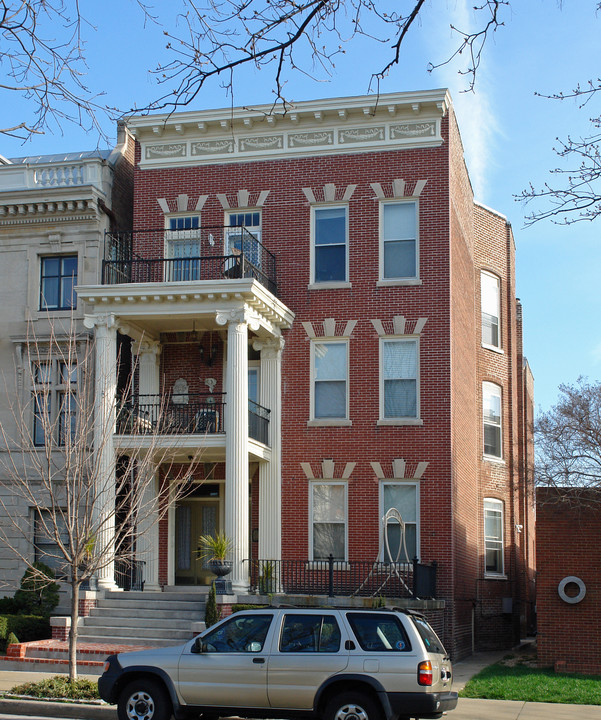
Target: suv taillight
{"points": [[424, 673]]}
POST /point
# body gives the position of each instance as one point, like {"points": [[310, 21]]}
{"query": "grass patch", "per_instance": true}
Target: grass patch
{"points": [[59, 687], [520, 681]]}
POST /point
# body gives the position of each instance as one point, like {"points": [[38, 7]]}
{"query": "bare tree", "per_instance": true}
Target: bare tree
{"points": [[568, 441], [219, 37], [86, 516]]}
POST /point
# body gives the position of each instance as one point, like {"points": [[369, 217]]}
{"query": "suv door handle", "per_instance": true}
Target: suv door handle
{"points": [[259, 661]]}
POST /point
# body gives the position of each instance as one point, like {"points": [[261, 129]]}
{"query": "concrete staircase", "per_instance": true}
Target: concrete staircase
{"points": [[153, 619]]}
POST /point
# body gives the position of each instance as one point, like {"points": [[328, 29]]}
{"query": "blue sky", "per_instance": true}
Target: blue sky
{"points": [[507, 131]]}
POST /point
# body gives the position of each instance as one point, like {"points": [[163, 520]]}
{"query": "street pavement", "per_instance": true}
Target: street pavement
{"points": [[467, 708]]}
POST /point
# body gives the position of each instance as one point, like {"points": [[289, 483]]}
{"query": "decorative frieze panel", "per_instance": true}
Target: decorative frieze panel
{"points": [[412, 130], [362, 135], [399, 325], [160, 152], [329, 328], [399, 470], [212, 147], [311, 139]]}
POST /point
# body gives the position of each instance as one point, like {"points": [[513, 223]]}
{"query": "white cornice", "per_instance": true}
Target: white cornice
{"points": [[334, 126]]}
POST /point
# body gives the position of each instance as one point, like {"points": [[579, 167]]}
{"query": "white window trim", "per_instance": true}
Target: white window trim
{"points": [[417, 420], [487, 573], [326, 481], [496, 348], [313, 285], [409, 280], [325, 422], [227, 227], [497, 388], [167, 249], [397, 481]]}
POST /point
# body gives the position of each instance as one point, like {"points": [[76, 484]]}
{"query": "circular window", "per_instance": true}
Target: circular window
{"points": [[571, 589]]}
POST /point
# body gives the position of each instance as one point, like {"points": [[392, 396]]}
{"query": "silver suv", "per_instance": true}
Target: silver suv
{"points": [[334, 664]]}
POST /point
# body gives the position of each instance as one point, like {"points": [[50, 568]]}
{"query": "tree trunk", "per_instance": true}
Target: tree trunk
{"points": [[75, 585]]}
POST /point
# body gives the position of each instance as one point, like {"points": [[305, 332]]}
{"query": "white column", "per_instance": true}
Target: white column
{"points": [[148, 352], [105, 388], [236, 448], [270, 473]]}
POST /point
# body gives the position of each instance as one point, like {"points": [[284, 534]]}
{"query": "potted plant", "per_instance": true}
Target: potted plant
{"points": [[214, 548]]}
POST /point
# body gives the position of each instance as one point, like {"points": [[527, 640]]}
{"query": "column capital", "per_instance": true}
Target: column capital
{"points": [[269, 348], [147, 347], [106, 321], [238, 316]]}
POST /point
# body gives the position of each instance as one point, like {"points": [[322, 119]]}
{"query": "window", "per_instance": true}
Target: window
{"points": [[493, 536], [46, 549], [54, 397], [379, 632], [244, 634], [57, 282], [310, 633], [330, 374], [328, 518], [398, 228], [329, 244], [399, 391], [491, 411], [245, 240], [183, 248], [490, 299], [405, 498]]}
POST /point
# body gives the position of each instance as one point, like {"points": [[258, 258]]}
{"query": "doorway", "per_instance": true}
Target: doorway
{"points": [[195, 516]]}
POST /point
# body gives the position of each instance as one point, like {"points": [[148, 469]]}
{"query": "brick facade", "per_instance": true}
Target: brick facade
{"points": [[568, 632], [441, 451]]}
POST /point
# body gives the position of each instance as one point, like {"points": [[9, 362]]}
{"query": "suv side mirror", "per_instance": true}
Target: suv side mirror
{"points": [[197, 646]]}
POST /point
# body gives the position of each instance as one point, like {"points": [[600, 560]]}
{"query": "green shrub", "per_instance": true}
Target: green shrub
{"points": [[12, 639], [25, 627], [38, 594], [59, 686], [212, 612], [239, 607], [8, 606]]}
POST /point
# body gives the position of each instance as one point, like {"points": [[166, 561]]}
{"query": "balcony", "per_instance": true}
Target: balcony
{"points": [[192, 255], [193, 414]]}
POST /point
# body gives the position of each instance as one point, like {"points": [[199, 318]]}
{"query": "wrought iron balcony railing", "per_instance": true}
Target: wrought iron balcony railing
{"points": [[192, 414], [353, 578], [206, 253]]}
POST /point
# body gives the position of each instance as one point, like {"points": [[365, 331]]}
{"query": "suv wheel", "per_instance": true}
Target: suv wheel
{"points": [[352, 706], [143, 699]]}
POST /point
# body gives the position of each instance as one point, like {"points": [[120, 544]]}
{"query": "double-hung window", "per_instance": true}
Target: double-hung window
{"points": [[183, 248], [493, 536], [490, 299], [404, 497], [492, 420], [330, 380], [330, 244], [50, 528], [58, 279], [399, 245], [399, 393], [243, 235], [54, 402], [328, 520]]}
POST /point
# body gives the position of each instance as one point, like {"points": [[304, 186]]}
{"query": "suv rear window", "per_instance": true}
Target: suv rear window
{"points": [[379, 633], [310, 633], [428, 636]]}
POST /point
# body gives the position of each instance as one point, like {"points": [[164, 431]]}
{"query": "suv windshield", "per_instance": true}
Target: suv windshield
{"points": [[429, 637]]}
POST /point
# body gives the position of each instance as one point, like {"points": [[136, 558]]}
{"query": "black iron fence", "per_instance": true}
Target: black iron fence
{"points": [[207, 253], [334, 578], [191, 414], [129, 574]]}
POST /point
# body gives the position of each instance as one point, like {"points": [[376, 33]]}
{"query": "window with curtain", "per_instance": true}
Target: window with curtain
{"points": [[330, 377], [400, 375], [183, 248], [490, 299], [328, 519], [330, 244], [493, 536], [492, 419], [399, 240], [404, 497], [54, 402]]}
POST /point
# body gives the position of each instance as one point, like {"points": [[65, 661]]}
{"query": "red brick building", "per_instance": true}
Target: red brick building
{"points": [[320, 296], [568, 586]]}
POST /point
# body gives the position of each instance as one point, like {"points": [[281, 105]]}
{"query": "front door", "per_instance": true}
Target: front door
{"points": [[193, 518]]}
